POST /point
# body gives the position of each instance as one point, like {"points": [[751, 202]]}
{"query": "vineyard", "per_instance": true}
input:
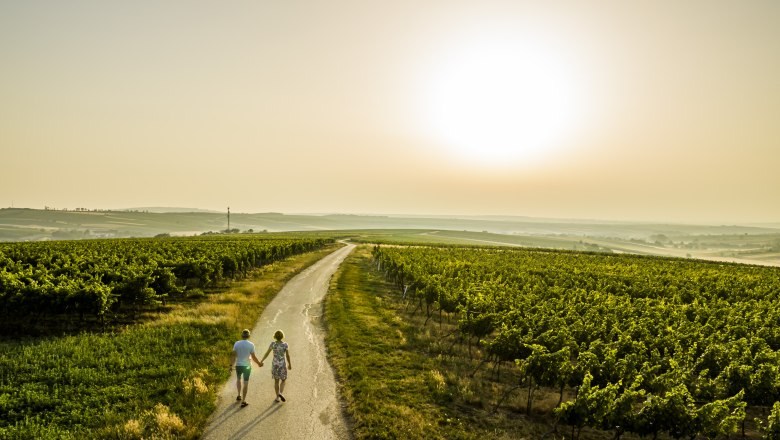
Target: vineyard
{"points": [[630, 344], [97, 278], [151, 378]]}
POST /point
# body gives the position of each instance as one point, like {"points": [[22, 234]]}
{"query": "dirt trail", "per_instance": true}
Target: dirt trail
{"points": [[312, 410]]}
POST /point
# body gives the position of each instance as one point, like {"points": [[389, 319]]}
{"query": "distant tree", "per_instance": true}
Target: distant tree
{"points": [[659, 238]]}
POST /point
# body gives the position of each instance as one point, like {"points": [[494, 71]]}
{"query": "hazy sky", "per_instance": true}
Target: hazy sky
{"points": [[628, 110]]}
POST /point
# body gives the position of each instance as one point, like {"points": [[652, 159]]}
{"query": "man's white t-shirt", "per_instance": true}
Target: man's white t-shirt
{"points": [[243, 349]]}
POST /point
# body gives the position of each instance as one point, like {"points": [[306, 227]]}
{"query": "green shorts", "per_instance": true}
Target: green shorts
{"points": [[245, 371]]}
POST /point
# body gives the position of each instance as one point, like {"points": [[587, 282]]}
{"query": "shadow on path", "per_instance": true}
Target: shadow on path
{"points": [[227, 415], [247, 428]]}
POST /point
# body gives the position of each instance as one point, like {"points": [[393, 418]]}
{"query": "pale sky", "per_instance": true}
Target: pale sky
{"points": [[618, 110]]}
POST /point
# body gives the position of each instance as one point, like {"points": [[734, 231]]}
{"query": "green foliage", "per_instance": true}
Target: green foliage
{"points": [[722, 417], [97, 277], [655, 345], [773, 423]]}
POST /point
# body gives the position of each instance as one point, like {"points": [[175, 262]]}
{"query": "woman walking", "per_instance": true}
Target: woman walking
{"points": [[278, 366]]}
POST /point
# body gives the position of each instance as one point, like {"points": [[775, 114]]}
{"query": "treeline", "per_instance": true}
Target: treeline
{"points": [[648, 345], [97, 277]]}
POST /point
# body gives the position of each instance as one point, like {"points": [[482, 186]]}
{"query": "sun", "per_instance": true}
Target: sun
{"points": [[500, 102]]}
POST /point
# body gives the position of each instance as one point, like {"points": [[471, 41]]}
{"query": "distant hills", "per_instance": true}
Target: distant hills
{"points": [[34, 224], [162, 210], [758, 244]]}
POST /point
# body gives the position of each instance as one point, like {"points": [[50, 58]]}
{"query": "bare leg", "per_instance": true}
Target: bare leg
{"points": [[281, 387], [276, 387], [243, 394], [238, 385]]}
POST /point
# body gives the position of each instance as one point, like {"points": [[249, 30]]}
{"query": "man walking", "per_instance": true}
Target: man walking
{"points": [[242, 350]]}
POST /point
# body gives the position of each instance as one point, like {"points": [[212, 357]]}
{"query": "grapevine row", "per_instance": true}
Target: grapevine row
{"points": [[649, 344], [97, 276]]}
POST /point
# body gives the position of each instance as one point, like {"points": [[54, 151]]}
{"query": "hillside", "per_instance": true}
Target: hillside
{"points": [[741, 243]]}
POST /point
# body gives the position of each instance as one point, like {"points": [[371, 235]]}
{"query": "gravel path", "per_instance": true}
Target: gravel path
{"points": [[312, 410]]}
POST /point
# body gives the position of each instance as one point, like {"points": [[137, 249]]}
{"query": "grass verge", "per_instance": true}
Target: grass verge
{"points": [[158, 380]]}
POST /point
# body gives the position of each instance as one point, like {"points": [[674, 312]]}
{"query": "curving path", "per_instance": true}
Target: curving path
{"points": [[312, 410]]}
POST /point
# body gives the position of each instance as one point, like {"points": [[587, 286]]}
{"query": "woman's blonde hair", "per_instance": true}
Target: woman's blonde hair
{"points": [[279, 335]]}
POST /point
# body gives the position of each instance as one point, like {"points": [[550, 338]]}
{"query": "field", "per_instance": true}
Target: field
{"points": [[520, 344], [149, 372], [761, 249], [433, 334]]}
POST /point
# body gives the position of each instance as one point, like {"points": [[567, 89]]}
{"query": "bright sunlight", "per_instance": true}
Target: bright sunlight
{"points": [[499, 102]]}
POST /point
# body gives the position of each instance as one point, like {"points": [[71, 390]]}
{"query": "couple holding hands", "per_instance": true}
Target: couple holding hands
{"points": [[244, 349]]}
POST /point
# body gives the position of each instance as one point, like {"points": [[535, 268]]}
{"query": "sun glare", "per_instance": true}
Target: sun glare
{"points": [[500, 102]]}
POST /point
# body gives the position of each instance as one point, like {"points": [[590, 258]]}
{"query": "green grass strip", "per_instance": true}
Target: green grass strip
{"points": [[154, 380]]}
